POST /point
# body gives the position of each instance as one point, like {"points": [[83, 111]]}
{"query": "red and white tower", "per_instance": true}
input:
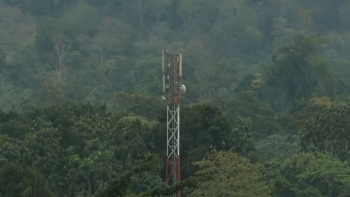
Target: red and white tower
{"points": [[172, 90]]}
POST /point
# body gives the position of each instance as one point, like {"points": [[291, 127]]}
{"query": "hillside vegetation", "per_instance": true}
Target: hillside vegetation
{"points": [[266, 111]]}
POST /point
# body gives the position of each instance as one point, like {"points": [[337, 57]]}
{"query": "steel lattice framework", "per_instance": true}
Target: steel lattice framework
{"points": [[172, 71]]}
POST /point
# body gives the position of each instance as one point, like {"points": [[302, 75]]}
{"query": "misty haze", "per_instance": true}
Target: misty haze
{"points": [[191, 98]]}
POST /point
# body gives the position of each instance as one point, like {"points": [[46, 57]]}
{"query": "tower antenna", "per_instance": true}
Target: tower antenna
{"points": [[172, 89]]}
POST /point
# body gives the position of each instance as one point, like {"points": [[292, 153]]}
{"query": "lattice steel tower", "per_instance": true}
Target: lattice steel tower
{"points": [[172, 90]]}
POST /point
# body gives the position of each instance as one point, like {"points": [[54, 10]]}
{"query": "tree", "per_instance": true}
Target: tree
{"points": [[295, 75], [95, 162], [18, 181], [230, 175], [236, 28], [327, 132], [16, 29], [242, 141], [318, 175], [44, 139], [122, 185], [145, 105], [9, 150], [277, 147], [60, 54], [237, 105]]}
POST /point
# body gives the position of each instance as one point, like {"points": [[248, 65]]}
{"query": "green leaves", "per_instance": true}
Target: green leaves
{"points": [[122, 185], [318, 175], [25, 182], [108, 51], [230, 175], [328, 132]]}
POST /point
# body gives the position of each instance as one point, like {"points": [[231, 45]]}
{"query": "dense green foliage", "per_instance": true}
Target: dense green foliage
{"points": [[266, 112]]}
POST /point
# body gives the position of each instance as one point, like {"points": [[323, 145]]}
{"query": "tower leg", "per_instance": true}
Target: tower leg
{"points": [[178, 175]]}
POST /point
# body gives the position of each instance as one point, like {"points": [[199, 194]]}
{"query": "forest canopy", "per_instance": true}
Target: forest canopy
{"points": [[265, 112]]}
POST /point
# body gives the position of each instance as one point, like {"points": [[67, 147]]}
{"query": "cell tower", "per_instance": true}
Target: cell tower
{"points": [[172, 89]]}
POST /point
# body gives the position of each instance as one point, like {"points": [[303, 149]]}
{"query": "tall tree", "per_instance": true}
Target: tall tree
{"points": [[230, 175]]}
